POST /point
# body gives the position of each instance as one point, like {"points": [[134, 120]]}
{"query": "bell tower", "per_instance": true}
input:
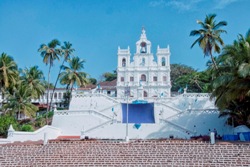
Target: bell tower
{"points": [[143, 46]]}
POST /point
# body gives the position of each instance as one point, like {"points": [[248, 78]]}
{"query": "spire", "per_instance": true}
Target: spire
{"points": [[143, 33]]}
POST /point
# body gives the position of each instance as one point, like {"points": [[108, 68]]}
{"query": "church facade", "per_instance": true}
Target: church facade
{"points": [[144, 75]]}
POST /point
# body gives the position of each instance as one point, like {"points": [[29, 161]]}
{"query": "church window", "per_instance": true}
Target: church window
{"points": [[122, 79], [143, 47], [155, 78], [143, 61], [60, 95], [164, 78], [123, 62], [131, 79], [55, 95], [163, 61], [143, 77]]}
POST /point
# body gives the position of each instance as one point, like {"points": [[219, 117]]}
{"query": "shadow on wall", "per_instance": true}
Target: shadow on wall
{"points": [[168, 131]]}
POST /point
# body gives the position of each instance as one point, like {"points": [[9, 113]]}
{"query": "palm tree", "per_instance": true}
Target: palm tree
{"points": [[209, 36], [20, 101], [33, 78], [72, 74], [50, 53], [66, 52], [8, 73], [232, 85]]}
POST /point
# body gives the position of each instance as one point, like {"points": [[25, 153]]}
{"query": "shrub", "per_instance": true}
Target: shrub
{"points": [[27, 128], [5, 122]]}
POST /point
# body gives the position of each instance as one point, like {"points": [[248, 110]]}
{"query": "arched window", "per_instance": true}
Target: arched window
{"points": [[143, 61], [143, 47], [60, 95], [145, 94], [163, 61], [55, 95], [143, 77], [123, 62]]}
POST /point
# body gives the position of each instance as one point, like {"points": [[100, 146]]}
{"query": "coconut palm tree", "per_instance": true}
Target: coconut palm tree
{"points": [[8, 73], [50, 53], [34, 79], [209, 38], [67, 51], [232, 85], [72, 74], [20, 101]]}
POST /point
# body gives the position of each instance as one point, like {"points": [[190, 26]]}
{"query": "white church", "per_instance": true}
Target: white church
{"points": [[142, 109], [153, 75]]}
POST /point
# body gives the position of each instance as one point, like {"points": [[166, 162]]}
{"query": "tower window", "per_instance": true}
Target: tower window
{"points": [[143, 47], [131, 79], [143, 77], [122, 79], [123, 62], [143, 61], [155, 78], [164, 78], [163, 61]]}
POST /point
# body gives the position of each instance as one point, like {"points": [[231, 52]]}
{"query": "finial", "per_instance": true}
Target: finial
{"points": [[143, 30]]}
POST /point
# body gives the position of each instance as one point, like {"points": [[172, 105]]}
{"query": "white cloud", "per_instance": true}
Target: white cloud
{"points": [[221, 4], [191, 5], [180, 5]]}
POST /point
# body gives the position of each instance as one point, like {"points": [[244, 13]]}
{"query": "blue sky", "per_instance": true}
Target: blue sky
{"points": [[97, 27]]}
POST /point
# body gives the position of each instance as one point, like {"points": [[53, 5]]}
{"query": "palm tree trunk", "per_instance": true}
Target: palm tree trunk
{"points": [[48, 96], [212, 58], [56, 83], [70, 97]]}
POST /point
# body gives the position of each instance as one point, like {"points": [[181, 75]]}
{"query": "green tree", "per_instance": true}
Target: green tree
{"points": [[67, 51], [8, 72], [5, 121], [110, 76], [72, 74], [209, 38], [20, 101], [92, 81], [231, 86], [50, 53], [179, 76], [33, 78]]}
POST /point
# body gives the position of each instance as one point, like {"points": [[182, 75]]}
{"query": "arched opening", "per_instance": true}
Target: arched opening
{"points": [[145, 94], [143, 77], [143, 61], [143, 47], [123, 62], [163, 61]]}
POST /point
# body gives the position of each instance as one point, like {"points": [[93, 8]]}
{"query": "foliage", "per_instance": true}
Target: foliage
{"points": [[40, 122], [108, 76], [66, 51], [5, 121], [183, 76], [27, 128], [209, 38], [20, 101], [72, 75], [92, 81], [232, 81], [50, 53], [33, 78], [8, 71]]}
